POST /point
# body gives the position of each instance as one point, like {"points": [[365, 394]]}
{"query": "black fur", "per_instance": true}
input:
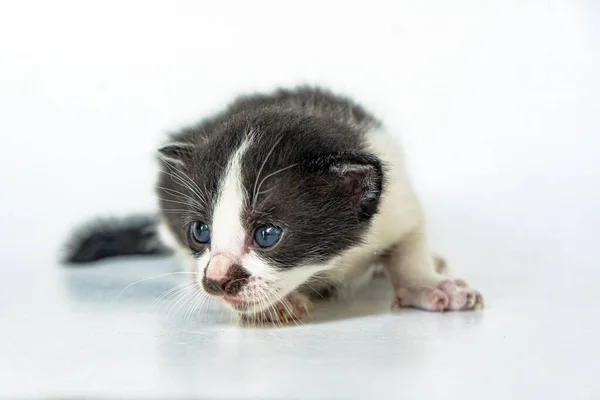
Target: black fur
{"points": [[113, 237], [324, 198]]}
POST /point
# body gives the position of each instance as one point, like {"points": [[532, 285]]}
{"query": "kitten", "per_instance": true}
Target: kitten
{"points": [[282, 194]]}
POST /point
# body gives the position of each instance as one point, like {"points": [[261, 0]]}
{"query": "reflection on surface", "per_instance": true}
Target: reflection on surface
{"points": [[157, 286]]}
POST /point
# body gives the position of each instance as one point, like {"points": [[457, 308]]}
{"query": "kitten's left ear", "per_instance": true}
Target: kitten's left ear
{"points": [[176, 152], [360, 174]]}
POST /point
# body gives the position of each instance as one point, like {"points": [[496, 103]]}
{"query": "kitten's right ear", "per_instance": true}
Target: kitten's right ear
{"points": [[176, 152]]}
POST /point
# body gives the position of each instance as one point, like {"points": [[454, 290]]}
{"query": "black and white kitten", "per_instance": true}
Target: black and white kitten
{"points": [[284, 191]]}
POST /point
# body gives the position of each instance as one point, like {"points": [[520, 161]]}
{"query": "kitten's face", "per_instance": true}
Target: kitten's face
{"points": [[261, 213]]}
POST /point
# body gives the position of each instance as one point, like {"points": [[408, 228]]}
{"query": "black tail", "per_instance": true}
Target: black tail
{"points": [[113, 237]]}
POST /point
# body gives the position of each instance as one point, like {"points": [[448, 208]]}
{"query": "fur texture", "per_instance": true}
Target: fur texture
{"points": [[323, 171], [105, 238]]}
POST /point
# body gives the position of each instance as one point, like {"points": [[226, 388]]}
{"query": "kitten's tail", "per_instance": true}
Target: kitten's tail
{"points": [[104, 238]]}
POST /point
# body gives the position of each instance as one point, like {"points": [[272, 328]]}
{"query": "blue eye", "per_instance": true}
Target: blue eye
{"points": [[200, 232], [267, 236]]}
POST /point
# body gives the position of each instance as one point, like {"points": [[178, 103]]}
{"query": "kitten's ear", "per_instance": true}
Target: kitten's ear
{"points": [[176, 152], [360, 174]]}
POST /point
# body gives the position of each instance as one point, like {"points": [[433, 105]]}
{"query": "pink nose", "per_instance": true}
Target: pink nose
{"points": [[224, 276], [218, 268]]}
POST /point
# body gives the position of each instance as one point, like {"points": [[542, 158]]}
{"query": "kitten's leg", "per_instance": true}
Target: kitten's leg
{"points": [[419, 280]]}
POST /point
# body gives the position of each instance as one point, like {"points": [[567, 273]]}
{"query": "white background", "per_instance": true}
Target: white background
{"points": [[495, 102]]}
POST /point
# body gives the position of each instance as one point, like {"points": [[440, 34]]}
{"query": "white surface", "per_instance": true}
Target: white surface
{"points": [[498, 108]]}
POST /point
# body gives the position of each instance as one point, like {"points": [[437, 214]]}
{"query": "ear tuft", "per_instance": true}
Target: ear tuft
{"points": [[176, 152]]}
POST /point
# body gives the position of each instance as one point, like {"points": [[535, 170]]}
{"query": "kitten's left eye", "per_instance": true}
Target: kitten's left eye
{"points": [[200, 232], [267, 236]]}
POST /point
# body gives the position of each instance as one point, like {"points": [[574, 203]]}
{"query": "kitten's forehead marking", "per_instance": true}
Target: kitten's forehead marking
{"points": [[228, 234]]}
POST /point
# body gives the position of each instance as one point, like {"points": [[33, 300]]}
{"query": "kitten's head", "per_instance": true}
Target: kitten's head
{"points": [[264, 204]]}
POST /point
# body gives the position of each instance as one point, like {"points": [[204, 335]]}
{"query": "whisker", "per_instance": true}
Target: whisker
{"points": [[314, 290], [175, 296], [206, 303], [321, 277], [284, 303], [174, 211], [268, 176], [200, 305], [254, 191], [149, 278], [196, 296], [269, 308], [265, 308], [179, 195], [180, 177], [181, 297], [175, 201], [166, 294], [200, 298]]}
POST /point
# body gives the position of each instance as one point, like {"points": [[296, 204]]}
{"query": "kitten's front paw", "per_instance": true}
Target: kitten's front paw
{"points": [[293, 308], [448, 295]]}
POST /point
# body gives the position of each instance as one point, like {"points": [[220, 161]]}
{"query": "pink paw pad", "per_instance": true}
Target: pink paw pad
{"points": [[427, 298], [461, 296], [451, 295]]}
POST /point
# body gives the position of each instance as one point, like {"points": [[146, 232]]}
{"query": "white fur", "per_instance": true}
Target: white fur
{"points": [[227, 233], [228, 236]]}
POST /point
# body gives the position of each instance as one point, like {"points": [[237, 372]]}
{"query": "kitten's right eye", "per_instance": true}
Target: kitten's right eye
{"points": [[200, 232]]}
